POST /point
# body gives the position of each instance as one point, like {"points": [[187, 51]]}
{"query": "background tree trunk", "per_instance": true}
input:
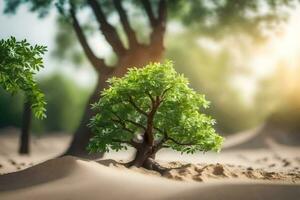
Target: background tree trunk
{"points": [[83, 134], [24, 147], [136, 55]]}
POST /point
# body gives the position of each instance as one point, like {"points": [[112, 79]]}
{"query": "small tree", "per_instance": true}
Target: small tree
{"points": [[152, 108], [19, 61]]}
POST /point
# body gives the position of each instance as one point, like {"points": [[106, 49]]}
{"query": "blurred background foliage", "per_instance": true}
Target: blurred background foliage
{"points": [[209, 73], [65, 102]]}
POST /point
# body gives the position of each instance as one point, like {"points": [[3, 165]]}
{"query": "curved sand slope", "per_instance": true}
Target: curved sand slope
{"points": [[261, 137], [71, 178]]}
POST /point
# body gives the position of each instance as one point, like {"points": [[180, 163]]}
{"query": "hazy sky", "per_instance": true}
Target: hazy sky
{"points": [[27, 25]]}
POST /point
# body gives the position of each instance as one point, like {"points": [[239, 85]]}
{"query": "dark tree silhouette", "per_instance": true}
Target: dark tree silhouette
{"points": [[24, 147]]}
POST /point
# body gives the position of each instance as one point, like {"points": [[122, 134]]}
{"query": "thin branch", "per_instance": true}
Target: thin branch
{"points": [[165, 91], [179, 143], [121, 141], [120, 120], [167, 137], [123, 125], [132, 143], [149, 11], [150, 96], [135, 123], [159, 144], [130, 100], [107, 29], [159, 130], [95, 61], [125, 23]]}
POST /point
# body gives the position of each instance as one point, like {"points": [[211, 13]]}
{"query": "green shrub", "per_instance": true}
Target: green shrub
{"points": [[149, 109]]}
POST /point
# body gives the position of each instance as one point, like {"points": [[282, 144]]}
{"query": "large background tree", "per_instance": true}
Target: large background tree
{"points": [[214, 18]]}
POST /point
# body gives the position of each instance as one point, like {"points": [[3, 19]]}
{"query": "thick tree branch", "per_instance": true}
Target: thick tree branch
{"points": [[159, 28], [107, 29], [162, 11], [125, 23], [150, 121], [97, 63], [149, 11]]}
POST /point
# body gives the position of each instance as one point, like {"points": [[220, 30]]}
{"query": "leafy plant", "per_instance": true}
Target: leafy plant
{"points": [[19, 61], [152, 108]]}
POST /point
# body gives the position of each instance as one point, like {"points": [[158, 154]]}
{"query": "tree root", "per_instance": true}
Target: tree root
{"points": [[150, 164]]}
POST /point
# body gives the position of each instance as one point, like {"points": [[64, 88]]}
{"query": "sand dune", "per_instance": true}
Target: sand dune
{"points": [[270, 172], [71, 178], [262, 137]]}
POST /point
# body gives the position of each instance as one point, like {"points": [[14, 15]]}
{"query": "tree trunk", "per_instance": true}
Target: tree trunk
{"points": [[137, 58], [144, 157], [141, 155], [83, 133], [136, 55], [24, 138]]}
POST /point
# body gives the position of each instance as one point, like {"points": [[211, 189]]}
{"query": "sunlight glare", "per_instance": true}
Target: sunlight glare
{"points": [[281, 50]]}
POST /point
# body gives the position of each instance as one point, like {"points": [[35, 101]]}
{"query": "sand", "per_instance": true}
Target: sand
{"points": [[268, 172], [42, 148], [72, 178]]}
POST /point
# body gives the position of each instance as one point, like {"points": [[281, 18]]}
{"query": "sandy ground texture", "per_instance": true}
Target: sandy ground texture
{"points": [[70, 178], [268, 172]]}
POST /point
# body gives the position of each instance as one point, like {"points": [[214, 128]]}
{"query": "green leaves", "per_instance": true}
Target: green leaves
{"points": [[124, 112], [19, 61]]}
